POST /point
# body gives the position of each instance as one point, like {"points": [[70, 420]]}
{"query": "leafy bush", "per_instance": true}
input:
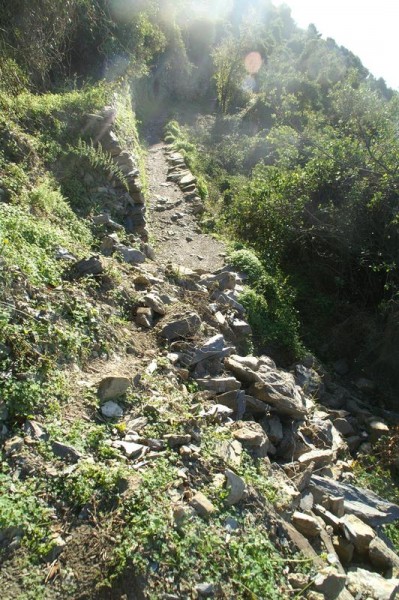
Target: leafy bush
{"points": [[269, 302], [249, 263]]}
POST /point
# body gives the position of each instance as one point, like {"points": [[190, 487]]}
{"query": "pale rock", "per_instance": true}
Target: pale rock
{"points": [[131, 449], [274, 429], [130, 255], [319, 457], [250, 434], [357, 532], [220, 385], [381, 556], [306, 524], [337, 505], [154, 302], [205, 590], [231, 452], [361, 502], [371, 586], [241, 328], [266, 363], [202, 505], [252, 362], [34, 430], [144, 317], [306, 502], [236, 487], [137, 424], [242, 372], [214, 347], [377, 429], [328, 517], [113, 387], [112, 410], [278, 389], [329, 582]]}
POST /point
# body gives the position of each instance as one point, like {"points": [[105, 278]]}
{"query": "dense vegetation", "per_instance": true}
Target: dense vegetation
{"points": [[296, 152], [301, 157]]}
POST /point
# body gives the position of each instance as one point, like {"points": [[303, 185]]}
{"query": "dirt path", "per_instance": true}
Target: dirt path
{"points": [[178, 238]]}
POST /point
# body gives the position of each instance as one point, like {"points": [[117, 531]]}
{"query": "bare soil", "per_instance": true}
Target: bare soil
{"points": [[178, 241]]}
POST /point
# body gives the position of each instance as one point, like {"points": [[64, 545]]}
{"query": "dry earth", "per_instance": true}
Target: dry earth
{"points": [[175, 232]]}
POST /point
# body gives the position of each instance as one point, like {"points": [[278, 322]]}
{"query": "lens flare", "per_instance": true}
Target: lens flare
{"points": [[253, 62]]}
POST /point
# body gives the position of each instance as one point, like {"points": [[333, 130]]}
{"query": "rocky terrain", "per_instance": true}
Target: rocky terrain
{"points": [[185, 387]]}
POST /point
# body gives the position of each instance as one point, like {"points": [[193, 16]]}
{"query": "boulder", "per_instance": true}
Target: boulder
{"points": [[358, 501], [358, 533], [131, 449], [231, 452], [113, 387], [183, 326], [88, 266], [365, 584], [377, 429], [202, 505], [278, 389], [235, 486], [144, 317], [306, 524], [112, 410], [381, 556], [130, 255], [251, 435], [154, 302], [242, 372], [252, 362], [320, 458], [330, 583], [215, 347], [240, 327], [220, 385], [105, 219], [66, 451]]}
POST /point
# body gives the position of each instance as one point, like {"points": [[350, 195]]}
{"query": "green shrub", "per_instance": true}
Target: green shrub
{"points": [[249, 263]]}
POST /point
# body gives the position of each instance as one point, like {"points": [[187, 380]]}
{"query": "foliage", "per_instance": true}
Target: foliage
{"points": [[24, 513], [179, 139], [269, 303]]}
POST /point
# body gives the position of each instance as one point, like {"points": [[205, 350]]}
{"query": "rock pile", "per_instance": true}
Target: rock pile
{"points": [[287, 417]]}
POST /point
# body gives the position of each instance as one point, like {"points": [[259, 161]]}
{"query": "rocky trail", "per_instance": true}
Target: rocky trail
{"points": [[172, 215], [182, 383]]}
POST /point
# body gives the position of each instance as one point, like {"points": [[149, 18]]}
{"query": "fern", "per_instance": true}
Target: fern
{"points": [[100, 160]]}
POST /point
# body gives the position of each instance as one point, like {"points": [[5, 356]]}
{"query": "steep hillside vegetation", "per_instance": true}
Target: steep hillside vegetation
{"points": [[183, 416]]}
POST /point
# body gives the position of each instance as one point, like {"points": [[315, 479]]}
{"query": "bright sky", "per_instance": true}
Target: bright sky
{"points": [[370, 29]]}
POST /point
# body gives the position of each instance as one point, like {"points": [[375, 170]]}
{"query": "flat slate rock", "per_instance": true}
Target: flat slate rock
{"points": [[358, 501]]}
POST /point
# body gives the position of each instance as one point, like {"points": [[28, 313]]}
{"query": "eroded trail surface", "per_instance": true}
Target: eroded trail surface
{"points": [[178, 238]]}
